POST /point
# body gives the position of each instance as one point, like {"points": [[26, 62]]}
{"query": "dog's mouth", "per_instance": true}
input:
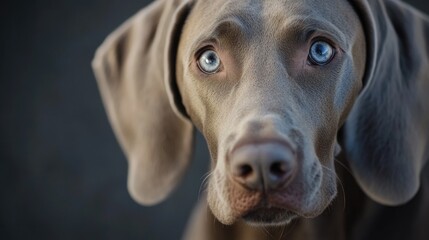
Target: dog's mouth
{"points": [[269, 216]]}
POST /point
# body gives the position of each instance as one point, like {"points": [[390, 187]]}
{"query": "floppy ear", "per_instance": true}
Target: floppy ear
{"points": [[386, 133], [135, 71]]}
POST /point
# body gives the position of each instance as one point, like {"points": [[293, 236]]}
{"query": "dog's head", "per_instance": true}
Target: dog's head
{"points": [[269, 84]]}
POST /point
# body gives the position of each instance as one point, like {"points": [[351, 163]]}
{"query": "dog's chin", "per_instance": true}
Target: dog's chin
{"points": [[269, 217]]}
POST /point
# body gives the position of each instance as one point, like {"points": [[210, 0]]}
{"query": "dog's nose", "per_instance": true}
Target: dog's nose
{"points": [[263, 166]]}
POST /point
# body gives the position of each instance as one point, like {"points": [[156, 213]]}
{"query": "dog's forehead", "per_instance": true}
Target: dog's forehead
{"points": [[274, 15], [270, 10]]}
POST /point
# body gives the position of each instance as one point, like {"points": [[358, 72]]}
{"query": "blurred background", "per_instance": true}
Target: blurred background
{"points": [[62, 173]]}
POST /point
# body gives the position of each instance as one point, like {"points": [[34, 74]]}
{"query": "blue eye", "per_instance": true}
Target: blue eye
{"points": [[209, 62], [321, 53]]}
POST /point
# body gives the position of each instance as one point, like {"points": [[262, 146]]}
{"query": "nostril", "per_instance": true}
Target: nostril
{"points": [[278, 168], [269, 165], [245, 170]]}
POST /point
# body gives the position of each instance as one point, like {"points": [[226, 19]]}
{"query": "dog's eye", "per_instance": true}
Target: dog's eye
{"points": [[321, 53], [209, 62]]}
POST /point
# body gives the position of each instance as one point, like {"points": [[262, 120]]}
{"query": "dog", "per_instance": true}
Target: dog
{"points": [[293, 97]]}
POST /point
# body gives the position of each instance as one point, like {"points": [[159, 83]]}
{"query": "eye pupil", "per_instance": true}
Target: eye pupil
{"points": [[321, 53], [321, 50], [209, 61]]}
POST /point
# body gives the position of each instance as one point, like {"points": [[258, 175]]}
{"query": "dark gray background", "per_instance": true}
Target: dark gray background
{"points": [[62, 173]]}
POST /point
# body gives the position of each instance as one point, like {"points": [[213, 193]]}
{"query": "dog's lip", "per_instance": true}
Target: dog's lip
{"points": [[268, 212], [269, 215]]}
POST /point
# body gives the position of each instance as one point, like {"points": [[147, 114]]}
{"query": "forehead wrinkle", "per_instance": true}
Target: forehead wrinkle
{"points": [[236, 19], [303, 27], [227, 29]]}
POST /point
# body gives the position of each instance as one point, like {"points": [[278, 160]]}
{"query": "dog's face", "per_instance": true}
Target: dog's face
{"points": [[269, 84]]}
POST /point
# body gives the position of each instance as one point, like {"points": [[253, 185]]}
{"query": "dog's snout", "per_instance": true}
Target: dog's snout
{"points": [[263, 166]]}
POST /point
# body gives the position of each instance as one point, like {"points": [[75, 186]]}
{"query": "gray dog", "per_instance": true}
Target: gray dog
{"points": [[279, 89]]}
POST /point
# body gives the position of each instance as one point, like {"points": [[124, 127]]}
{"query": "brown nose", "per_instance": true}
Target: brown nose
{"points": [[263, 166]]}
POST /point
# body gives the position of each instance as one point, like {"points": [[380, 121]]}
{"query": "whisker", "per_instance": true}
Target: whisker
{"points": [[267, 232], [291, 225], [341, 185], [282, 232], [204, 182], [214, 223], [344, 193], [344, 166]]}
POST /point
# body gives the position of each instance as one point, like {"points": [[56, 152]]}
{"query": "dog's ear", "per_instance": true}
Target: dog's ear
{"points": [[386, 134], [135, 71]]}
